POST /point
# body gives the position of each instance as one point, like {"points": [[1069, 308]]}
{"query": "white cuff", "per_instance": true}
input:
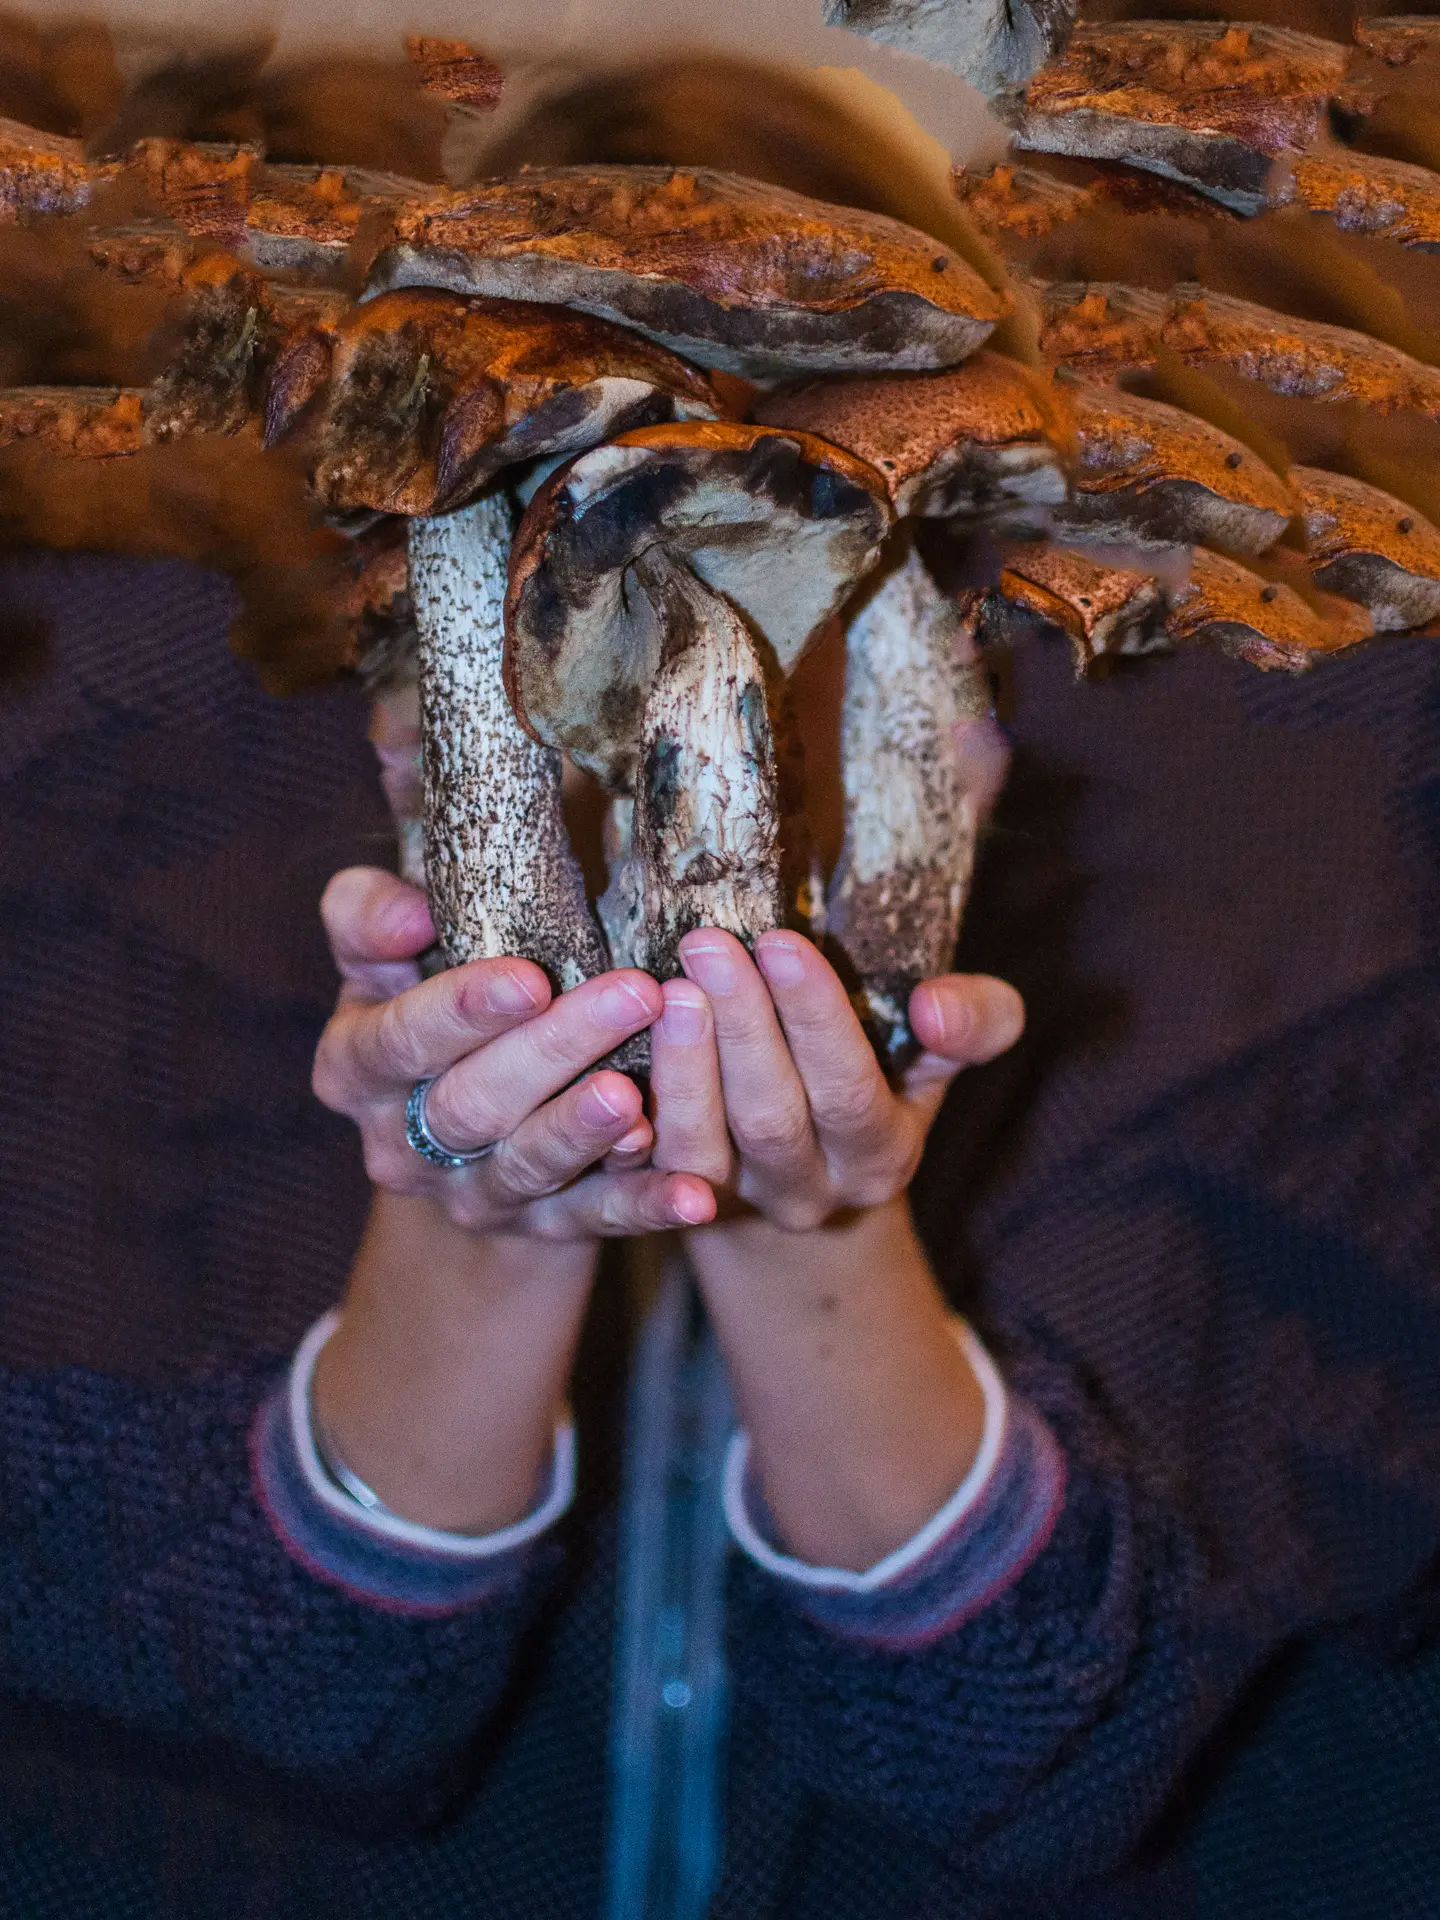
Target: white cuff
{"points": [[842, 1579], [389, 1526]]}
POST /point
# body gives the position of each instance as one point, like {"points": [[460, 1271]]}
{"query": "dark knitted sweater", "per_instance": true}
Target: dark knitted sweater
{"points": [[1195, 1211]]}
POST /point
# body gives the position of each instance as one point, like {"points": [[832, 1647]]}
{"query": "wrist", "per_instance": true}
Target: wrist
{"points": [[441, 1385], [863, 1412]]}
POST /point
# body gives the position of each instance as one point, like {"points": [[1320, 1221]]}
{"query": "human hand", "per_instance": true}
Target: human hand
{"points": [[507, 1060], [765, 1085]]}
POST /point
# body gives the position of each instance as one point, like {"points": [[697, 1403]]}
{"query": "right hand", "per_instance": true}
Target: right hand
{"points": [[507, 1060]]}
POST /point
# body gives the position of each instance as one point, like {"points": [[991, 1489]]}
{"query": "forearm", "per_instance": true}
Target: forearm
{"points": [[864, 1415], [441, 1385]]}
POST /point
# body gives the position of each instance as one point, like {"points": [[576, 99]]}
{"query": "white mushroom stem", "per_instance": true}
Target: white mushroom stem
{"points": [[919, 755], [706, 822], [498, 866]]}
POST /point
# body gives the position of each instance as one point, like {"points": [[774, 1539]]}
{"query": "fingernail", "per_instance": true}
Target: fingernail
{"points": [[623, 1007], [595, 1108], [693, 1209], [510, 993], [711, 967], [780, 962], [683, 1022], [636, 1141]]}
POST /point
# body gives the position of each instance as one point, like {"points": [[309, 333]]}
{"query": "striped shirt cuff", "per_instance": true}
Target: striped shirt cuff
{"points": [[377, 1557], [979, 1543]]}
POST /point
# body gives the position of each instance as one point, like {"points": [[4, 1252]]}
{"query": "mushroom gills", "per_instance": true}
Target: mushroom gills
{"points": [[501, 876], [914, 697], [705, 836]]}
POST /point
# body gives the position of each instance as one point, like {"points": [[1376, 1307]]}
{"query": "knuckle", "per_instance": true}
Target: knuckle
{"points": [[550, 1044], [523, 1173], [462, 1113], [775, 1133], [848, 1105]]}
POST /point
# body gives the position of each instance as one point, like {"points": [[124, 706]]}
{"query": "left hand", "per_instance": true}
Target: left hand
{"points": [[766, 1087]]}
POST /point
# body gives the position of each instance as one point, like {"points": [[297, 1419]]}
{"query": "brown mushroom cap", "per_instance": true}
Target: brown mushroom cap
{"points": [[1390, 199], [40, 173], [779, 523], [1370, 547], [89, 423], [1224, 605], [1099, 329], [989, 432], [427, 395], [1152, 475], [1207, 103], [731, 273], [1100, 607]]}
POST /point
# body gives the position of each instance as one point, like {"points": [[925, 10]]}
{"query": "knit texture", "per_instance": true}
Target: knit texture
{"points": [[1194, 1212]]}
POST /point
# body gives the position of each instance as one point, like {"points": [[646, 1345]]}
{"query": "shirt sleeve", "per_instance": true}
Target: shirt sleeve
{"points": [[978, 1543], [143, 1580], [373, 1555]]}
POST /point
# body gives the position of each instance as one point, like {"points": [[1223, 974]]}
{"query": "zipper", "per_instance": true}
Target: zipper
{"points": [[668, 1710]]}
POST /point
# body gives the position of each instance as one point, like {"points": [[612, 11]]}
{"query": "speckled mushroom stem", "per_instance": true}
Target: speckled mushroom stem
{"points": [[498, 866], [706, 829], [916, 709]]}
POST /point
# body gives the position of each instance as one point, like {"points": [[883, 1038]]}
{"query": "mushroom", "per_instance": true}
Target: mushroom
{"points": [[427, 396], [1370, 547], [40, 173], [498, 866], [983, 440], [660, 586], [1102, 606], [422, 400], [1151, 475], [986, 435], [731, 273], [1101, 329], [1210, 104], [995, 44], [1266, 622], [1389, 199], [916, 703]]}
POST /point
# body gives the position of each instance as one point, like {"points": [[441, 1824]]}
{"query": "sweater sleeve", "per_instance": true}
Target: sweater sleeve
{"points": [[143, 1578], [1029, 1740]]}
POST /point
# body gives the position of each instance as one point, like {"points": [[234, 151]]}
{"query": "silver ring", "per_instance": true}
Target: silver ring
{"points": [[417, 1132]]}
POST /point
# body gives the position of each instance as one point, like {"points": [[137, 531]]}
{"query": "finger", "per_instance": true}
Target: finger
{"points": [[858, 1120], [765, 1103], [373, 1052], [374, 922], [485, 1096], [691, 1134], [962, 1020], [606, 1205], [634, 1150], [562, 1139]]}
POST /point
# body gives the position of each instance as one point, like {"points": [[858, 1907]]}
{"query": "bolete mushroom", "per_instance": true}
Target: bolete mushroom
{"points": [[1370, 547], [916, 701], [728, 272], [424, 399], [1152, 475], [660, 587], [427, 396], [989, 434], [1210, 104], [977, 442]]}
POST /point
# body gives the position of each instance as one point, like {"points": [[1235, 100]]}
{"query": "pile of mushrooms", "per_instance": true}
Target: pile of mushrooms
{"points": [[614, 448]]}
